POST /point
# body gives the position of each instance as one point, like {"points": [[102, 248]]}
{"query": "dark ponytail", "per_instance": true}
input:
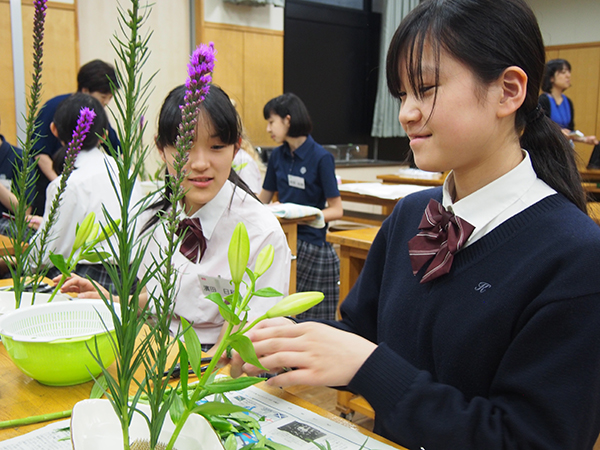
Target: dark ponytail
{"points": [[488, 36], [225, 121]]}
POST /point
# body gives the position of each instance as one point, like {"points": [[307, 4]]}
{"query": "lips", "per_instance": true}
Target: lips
{"points": [[200, 181]]}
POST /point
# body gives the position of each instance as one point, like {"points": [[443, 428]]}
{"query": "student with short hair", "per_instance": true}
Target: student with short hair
{"points": [[303, 172], [95, 78], [475, 323]]}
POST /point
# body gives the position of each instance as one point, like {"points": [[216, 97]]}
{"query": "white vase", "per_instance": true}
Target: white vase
{"points": [[95, 426]]}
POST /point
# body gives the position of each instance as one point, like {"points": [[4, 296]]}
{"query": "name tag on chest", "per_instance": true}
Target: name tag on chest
{"points": [[210, 285], [295, 181]]}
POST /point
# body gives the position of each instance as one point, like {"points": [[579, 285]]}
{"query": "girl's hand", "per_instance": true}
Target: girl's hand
{"points": [[84, 287], [236, 361], [590, 140], [319, 354], [34, 221]]}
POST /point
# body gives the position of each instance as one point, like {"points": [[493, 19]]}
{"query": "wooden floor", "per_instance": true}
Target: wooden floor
{"points": [[326, 398]]}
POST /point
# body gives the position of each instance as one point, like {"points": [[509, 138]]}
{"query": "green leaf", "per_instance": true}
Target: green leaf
{"points": [[243, 345], [95, 257], [220, 424], [192, 343], [99, 387], [230, 443], [277, 446], [295, 304], [183, 374], [59, 262], [217, 408], [239, 253], [232, 384], [264, 260], [176, 409], [224, 308], [267, 292]]}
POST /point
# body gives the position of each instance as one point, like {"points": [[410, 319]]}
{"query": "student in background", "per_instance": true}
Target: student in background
{"points": [[89, 188], [247, 165], [556, 105], [475, 323], [303, 172], [94, 78], [219, 200], [10, 161]]}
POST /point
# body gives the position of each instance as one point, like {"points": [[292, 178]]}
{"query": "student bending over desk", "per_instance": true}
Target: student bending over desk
{"points": [[491, 340]]}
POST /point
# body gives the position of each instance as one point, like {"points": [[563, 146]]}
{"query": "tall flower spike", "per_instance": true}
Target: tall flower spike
{"points": [[86, 118], [39, 19], [202, 63]]}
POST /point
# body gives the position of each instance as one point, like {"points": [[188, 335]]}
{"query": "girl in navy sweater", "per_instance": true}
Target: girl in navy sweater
{"points": [[477, 324]]}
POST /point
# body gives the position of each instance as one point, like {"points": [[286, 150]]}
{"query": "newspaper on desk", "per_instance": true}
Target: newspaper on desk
{"points": [[284, 423], [387, 191]]}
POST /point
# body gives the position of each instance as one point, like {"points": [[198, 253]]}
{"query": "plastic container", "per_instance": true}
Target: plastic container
{"points": [[53, 343]]}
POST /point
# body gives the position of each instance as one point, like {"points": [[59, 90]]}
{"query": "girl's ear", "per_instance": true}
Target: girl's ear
{"points": [[237, 146], [513, 84], [53, 129], [287, 120]]}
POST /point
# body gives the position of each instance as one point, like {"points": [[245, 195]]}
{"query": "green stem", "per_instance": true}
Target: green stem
{"points": [[35, 419], [57, 287], [253, 324]]}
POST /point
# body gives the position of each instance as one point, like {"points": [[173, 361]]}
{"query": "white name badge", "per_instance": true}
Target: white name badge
{"points": [[211, 285], [297, 182]]}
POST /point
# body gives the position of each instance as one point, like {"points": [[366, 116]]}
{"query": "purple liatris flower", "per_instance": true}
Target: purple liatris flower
{"points": [[202, 63], [86, 118]]}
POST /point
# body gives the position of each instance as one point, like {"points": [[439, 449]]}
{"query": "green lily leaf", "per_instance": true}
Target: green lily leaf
{"points": [[224, 308], [183, 374], [60, 263], [267, 292], [94, 257], [220, 424], [217, 408], [194, 349], [99, 387], [176, 409], [239, 253], [232, 384], [109, 231], [243, 345], [264, 260], [295, 304], [230, 443]]}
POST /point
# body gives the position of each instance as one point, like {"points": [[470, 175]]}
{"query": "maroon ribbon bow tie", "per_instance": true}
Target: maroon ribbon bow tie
{"points": [[193, 242], [441, 235]]}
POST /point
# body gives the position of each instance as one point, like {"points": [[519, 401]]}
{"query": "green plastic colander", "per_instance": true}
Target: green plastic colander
{"points": [[51, 342]]}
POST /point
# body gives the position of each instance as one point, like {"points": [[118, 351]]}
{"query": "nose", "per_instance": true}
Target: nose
{"points": [[198, 160], [409, 111]]}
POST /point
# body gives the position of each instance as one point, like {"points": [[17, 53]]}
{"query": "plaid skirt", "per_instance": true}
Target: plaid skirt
{"points": [[318, 269]]}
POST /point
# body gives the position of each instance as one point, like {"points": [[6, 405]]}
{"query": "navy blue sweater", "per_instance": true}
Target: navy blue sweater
{"points": [[501, 353]]}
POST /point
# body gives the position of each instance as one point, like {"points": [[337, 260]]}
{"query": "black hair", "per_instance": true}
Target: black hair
{"points": [[489, 36], [291, 105], [97, 76], [224, 120], [553, 66], [67, 114]]}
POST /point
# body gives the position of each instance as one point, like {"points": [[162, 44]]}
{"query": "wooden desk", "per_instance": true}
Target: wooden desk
{"points": [[590, 175], [21, 396], [354, 246], [290, 229], [387, 204], [6, 247], [399, 179]]}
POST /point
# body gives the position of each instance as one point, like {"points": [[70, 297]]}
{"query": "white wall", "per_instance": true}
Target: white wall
{"points": [[568, 21], [169, 47], [269, 17]]}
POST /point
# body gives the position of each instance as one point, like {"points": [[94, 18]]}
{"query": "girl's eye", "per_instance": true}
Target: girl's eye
{"points": [[426, 89], [401, 95], [218, 147]]}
